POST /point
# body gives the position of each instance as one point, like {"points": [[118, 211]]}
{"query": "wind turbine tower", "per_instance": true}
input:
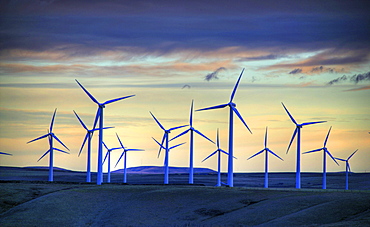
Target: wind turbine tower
{"points": [[191, 129], [232, 106], [124, 153], [297, 132], [267, 151], [50, 137], [88, 137], [348, 168], [101, 107]]}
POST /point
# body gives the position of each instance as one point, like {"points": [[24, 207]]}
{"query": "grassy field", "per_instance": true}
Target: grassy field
{"points": [[27, 200]]}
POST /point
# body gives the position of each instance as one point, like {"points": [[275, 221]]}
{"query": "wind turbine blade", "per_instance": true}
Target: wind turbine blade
{"points": [[41, 137], [331, 156], [291, 140], [106, 155], [177, 127], [213, 107], [352, 154], [116, 148], [260, 152], [120, 142], [81, 122], [119, 158], [327, 136], [349, 167], [135, 149], [201, 134], [91, 97], [240, 117], [105, 145], [181, 134], [311, 123], [218, 140], [97, 116], [340, 159], [275, 154], [210, 155], [226, 153], [160, 125], [60, 150], [117, 99], [236, 86], [43, 155], [176, 145], [52, 120], [83, 144], [160, 145], [266, 138], [191, 113], [316, 150], [55, 137], [97, 129], [291, 117], [5, 153]]}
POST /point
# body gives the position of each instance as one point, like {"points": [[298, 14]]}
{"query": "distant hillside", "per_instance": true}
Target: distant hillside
{"points": [[160, 170], [45, 168]]}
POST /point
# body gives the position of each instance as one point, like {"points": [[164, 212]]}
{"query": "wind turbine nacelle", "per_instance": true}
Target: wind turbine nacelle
{"points": [[232, 104], [101, 105]]}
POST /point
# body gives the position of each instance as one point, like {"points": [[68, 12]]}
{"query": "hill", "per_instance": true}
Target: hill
{"points": [[160, 170]]}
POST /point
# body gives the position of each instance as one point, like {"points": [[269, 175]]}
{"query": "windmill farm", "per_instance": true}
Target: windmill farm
{"points": [[167, 141]]}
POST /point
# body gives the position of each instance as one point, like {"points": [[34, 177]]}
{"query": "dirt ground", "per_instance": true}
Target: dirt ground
{"points": [[28, 201]]}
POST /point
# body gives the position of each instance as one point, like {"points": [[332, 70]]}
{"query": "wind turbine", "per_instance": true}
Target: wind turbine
{"points": [[166, 159], [124, 153], [267, 151], [218, 151], [5, 153], [191, 129], [325, 151], [297, 132], [230, 180], [166, 147], [101, 106], [348, 168], [107, 155], [50, 137], [88, 137]]}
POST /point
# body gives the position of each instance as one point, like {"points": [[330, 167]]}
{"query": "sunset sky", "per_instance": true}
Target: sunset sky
{"points": [[312, 56]]}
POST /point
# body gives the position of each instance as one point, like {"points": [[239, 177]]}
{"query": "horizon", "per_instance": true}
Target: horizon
{"points": [[312, 56]]}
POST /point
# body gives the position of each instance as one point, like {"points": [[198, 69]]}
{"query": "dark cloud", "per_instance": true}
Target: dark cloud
{"points": [[317, 69], [213, 75], [261, 58], [295, 71], [355, 78], [172, 25]]}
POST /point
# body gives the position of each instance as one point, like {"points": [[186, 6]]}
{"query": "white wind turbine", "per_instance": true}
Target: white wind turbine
{"points": [[88, 138], [348, 168], [124, 153], [191, 129], [166, 147], [101, 106], [50, 137], [297, 132], [230, 180], [267, 151], [107, 155], [325, 152], [218, 151], [166, 158]]}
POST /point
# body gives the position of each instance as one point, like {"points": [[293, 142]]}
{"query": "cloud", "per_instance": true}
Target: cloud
{"points": [[355, 78], [213, 75], [295, 71], [262, 57]]}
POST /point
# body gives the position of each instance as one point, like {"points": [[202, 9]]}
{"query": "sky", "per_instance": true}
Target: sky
{"points": [[314, 56]]}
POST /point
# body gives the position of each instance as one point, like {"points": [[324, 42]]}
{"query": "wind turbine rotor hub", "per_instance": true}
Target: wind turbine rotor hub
{"points": [[101, 106], [232, 104]]}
